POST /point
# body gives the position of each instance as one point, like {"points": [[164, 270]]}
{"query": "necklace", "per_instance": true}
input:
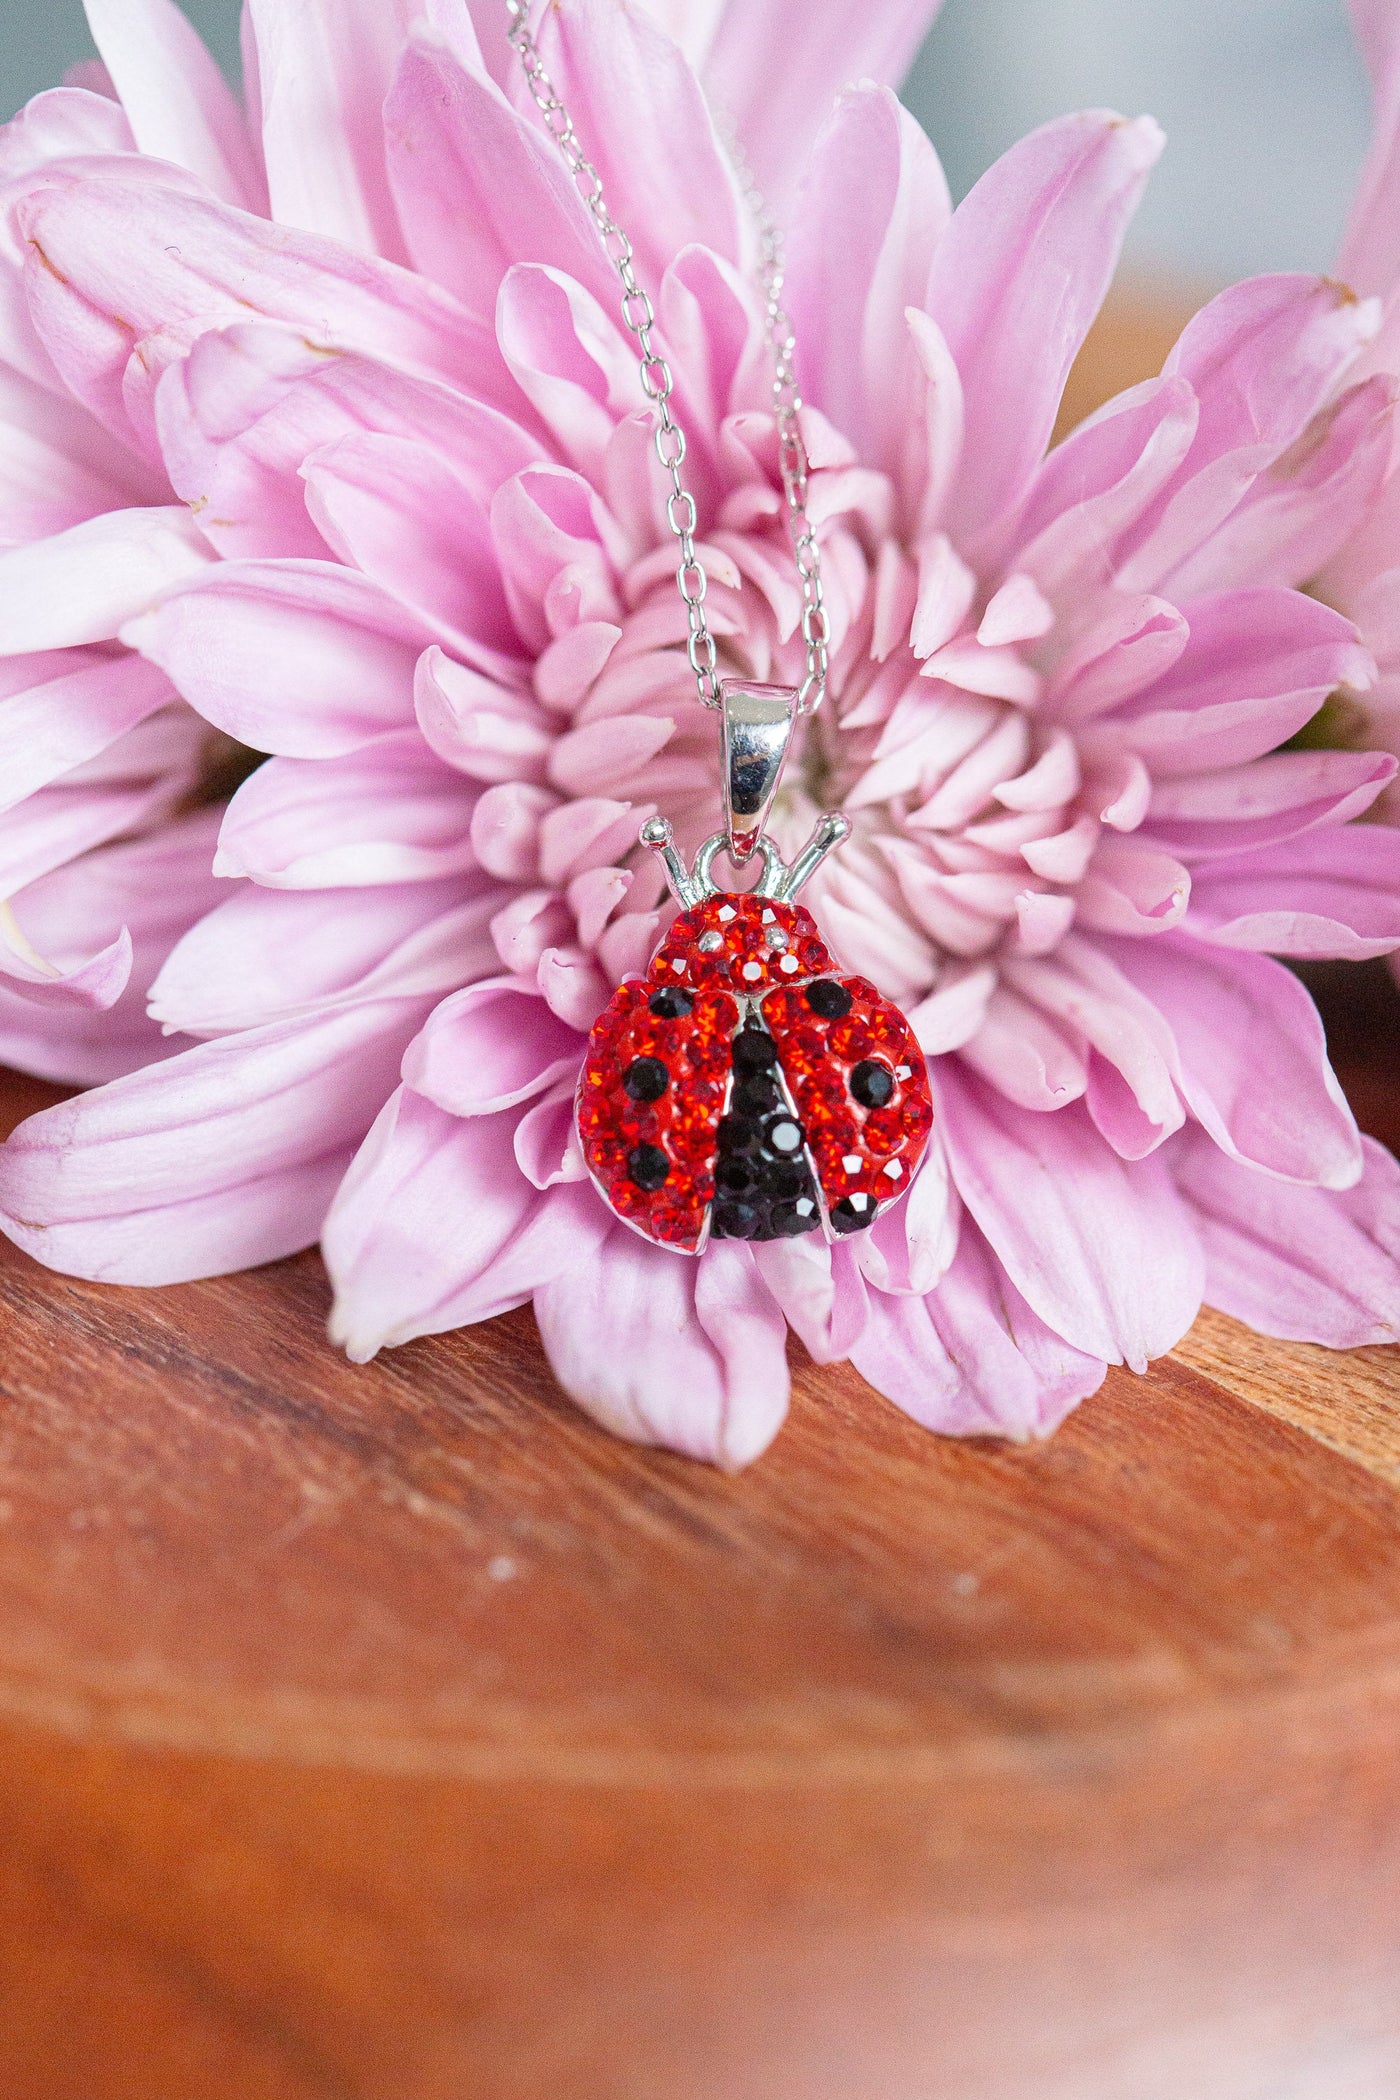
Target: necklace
{"points": [[744, 1088]]}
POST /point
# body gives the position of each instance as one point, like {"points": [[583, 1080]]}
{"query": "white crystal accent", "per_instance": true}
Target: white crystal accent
{"points": [[804, 1206], [852, 1163], [894, 1169], [753, 971], [790, 964], [708, 942], [903, 1071], [767, 919], [725, 913], [775, 937]]}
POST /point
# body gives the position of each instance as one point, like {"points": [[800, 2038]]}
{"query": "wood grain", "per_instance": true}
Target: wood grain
{"points": [[390, 1733]]}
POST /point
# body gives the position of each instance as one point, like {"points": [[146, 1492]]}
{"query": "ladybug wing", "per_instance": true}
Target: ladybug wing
{"points": [[649, 1102], [861, 1086]]}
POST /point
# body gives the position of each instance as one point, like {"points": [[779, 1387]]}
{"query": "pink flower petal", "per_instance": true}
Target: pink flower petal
{"points": [[1329, 893], [946, 590], [388, 812], [821, 1292], [221, 1158], [586, 832], [1017, 613], [548, 544], [1093, 487], [777, 68], [180, 107], [1026, 1055], [570, 360], [1307, 503], [1016, 281], [875, 205], [297, 657], [1133, 887], [479, 187], [239, 417], [393, 510], [546, 1140], [1370, 255], [1263, 358], [647, 127], [488, 731], [567, 668], [1124, 645], [908, 1250], [526, 929], [57, 466], [1233, 1017], [134, 781], [1258, 665], [273, 955], [52, 127], [152, 888], [607, 754], [434, 1227], [323, 70], [954, 1010], [1064, 856], [1087, 994], [1378, 33], [491, 1047], [83, 584], [507, 829], [168, 265], [62, 721], [973, 1359], [1275, 798], [668, 1351], [95, 983], [1100, 1248], [1305, 1264]]}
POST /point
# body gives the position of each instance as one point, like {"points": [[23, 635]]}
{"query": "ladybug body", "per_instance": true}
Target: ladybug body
{"points": [[747, 1089]]}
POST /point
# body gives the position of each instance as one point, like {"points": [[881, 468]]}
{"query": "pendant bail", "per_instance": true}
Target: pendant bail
{"points": [[756, 723]]}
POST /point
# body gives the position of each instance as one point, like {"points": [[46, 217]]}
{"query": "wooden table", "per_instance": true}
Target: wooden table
{"points": [[393, 1734]]}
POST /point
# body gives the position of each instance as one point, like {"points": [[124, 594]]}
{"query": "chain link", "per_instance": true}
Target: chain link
{"points": [[793, 463], [639, 318]]}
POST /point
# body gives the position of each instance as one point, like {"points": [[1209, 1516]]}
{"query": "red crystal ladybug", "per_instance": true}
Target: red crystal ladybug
{"points": [[746, 1088]]}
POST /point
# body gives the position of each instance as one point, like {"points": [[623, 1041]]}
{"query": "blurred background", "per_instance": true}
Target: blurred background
{"points": [[1264, 103]]}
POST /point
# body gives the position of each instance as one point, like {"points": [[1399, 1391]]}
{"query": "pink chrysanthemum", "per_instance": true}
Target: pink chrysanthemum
{"points": [[435, 583]]}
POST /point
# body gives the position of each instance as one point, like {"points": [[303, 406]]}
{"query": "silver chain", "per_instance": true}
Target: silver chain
{"points": [[640, 318]]}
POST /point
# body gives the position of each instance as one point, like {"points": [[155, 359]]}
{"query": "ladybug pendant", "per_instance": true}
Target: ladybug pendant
{"points": [[747, 1088]]}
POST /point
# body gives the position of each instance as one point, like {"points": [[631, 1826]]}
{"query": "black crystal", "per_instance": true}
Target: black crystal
{"points": [[757, 1095], [852, 1214], [754, 1050], [739, 1134], [872, 1083], [646, 1079], [828, 998], [736, 1221], [670, 1003], [648, 1166]]}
